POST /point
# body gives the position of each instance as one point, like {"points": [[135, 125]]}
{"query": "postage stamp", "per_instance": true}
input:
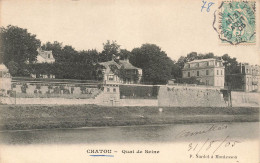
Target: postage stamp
{"points": [[236, 22]]}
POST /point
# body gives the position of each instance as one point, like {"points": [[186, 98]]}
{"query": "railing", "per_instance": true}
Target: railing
{"points": [[194, 85], [201, 67], [15, 79]]}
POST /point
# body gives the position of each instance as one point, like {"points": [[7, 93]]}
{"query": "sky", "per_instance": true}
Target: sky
{"points": [[177, 26]]}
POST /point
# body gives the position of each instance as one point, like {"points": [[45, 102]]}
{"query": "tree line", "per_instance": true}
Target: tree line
{"points": [[19, 52]]}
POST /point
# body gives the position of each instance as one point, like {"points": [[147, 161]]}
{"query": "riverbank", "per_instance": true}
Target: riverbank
{"points": [[21, 117]]}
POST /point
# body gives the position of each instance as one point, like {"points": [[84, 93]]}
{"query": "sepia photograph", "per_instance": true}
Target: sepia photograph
{"points": [[173, 81]]}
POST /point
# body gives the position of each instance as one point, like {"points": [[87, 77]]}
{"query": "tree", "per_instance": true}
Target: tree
{"points": [[18, 45], [69, 63], [157, 67], [69, 54], [88, 57], [124, 54], [110, 49], [13, 68], [231, 65]]}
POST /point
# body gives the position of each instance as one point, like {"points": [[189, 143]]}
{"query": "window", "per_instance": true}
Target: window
{"points": [[108, 89], [111, 77], [207, 63], [217, 72], [207, 72], [188, 74], [198, 73], [114, 89], [49, 55]]}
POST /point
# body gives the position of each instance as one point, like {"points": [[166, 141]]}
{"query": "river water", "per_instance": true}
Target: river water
{"points": [[176, 142]]}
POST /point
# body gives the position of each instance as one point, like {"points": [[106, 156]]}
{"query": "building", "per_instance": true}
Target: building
{"points": [[247, 79], [207, 71], [5, 80], [120, 71], [44, 57], [251, 77]]}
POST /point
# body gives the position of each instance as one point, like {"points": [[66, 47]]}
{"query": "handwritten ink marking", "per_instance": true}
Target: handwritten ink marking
{"points": [[220, 144], [209, 5], [210, 144], [211, 128], [215, 145], [202, 7], [195, 147], [203, 145], [102, 155]]}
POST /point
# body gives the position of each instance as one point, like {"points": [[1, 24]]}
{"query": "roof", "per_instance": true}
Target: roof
{"points": [[127, 64], [121, 63], [44, 54], [106, 64], [203, 60], [3, 67], [248, 65]]}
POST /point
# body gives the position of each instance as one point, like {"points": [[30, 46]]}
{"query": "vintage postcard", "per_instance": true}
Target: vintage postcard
{"points": [[172, 81]]}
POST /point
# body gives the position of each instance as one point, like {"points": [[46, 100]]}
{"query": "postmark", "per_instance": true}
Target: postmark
{"points": [[234, 21]]}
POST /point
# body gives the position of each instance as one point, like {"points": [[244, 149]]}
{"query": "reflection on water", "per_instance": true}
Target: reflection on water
{"points": [[148, 134]]}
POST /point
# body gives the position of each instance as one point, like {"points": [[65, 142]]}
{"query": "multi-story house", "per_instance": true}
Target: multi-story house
{"points": [[120, 71], [247, 79], [207, 71], [44, 57]]}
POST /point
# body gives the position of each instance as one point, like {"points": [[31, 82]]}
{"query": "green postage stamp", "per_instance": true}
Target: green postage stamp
{"points": [[236, 22]]}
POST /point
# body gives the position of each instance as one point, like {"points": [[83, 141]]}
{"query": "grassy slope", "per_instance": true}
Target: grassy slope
{"points": [[67, 116]]}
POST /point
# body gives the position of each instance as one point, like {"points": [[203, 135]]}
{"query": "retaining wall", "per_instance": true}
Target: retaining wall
{"points": [[245, 99], [190, 96]]}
